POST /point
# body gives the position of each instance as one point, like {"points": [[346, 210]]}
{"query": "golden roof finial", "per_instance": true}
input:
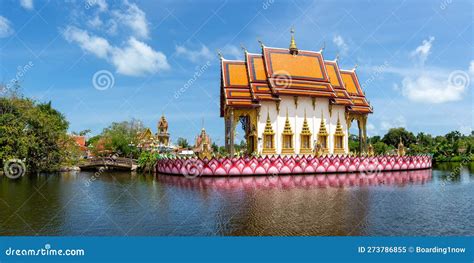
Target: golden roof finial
{"points": [[293, 48]]}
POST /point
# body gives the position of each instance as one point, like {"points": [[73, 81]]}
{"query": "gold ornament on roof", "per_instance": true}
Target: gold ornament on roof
{"points": [[293, 48]]}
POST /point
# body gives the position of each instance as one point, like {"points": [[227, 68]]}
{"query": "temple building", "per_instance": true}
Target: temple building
{"points": [[291, 101], [159, 142], [203, 145]]}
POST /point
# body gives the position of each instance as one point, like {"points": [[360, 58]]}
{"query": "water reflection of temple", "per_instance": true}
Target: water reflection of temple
{"points": [[321, 180]]}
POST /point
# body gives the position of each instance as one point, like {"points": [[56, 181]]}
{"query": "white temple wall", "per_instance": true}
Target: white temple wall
{"points": [[296, 116]]}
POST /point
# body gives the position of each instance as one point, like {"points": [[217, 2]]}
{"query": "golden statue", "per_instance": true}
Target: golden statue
{"points": [[203, 145], [401, 148], [162, 135], [370, 150]]}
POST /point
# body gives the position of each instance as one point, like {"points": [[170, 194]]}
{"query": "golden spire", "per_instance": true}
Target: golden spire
{"points": [[322, 127], [287, 130], [305, 130], [293, 48], [268, 126], [339, 131]]}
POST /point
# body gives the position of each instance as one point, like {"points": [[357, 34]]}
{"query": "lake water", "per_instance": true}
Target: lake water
{"points": [[426, 202]]}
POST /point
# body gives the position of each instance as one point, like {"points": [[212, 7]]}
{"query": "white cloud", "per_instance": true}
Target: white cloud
{"points": [[134, 59], [195, 56], [232, 51], [5, 27], [134, 18], [471, 67], [27, 4], [424, 50], [400, 121], [431, 88], [95, 23], [137, 58], [96, 45], [341, 44]]}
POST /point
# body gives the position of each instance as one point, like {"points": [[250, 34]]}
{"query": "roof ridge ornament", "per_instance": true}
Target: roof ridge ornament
{"points": [[323, 47], [293, 48], [243, 48], [337, 57], [355, 67], [220, 55], [261, 43]]}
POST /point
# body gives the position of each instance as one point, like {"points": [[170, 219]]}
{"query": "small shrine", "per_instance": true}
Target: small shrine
{"points": [[203, 145], [160, 142], [162, 135]]}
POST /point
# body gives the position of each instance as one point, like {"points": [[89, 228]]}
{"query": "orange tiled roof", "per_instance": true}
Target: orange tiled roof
{"points": [[277, 72], [258, 79], [302, 74], [235, 85], [342, 97], [351, 82]]}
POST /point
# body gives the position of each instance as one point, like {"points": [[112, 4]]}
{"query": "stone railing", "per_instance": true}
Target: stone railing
{"points": [[284, 165]]}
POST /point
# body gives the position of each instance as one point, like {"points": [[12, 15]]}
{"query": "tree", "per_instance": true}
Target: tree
{"points": [[393, 136], [183, 143], [353, 143], [35, 132], [121, 138], [215, 147]]}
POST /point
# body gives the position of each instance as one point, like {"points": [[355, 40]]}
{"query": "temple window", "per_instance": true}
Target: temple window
{"points": [[323, 135], [305, 137], [339, 138], [268, 137], [287, 137]]}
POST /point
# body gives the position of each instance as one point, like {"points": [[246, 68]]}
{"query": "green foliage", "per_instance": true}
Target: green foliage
{"points": [[353, 143], [147, 160], [35, 132], [393, 136], [119, 138], [183, 143]]}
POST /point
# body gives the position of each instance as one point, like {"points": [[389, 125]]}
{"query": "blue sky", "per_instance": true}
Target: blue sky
{"points": [[415, 58]]}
